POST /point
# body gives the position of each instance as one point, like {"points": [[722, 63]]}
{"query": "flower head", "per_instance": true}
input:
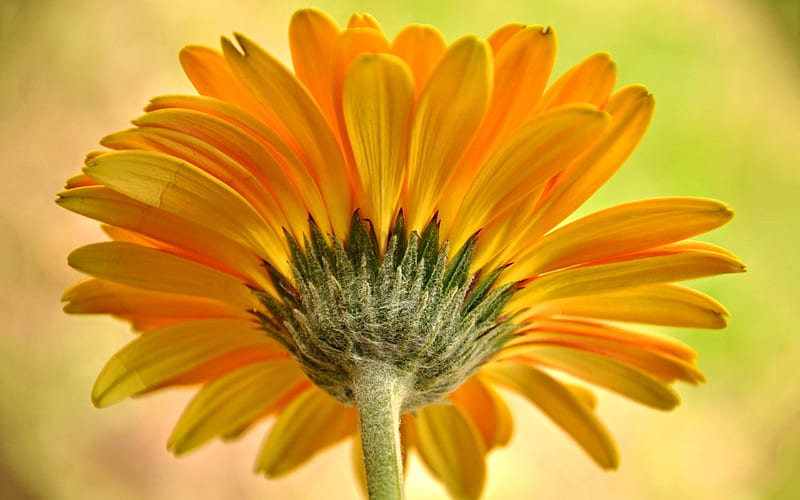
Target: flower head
{"points": [[397, 204]]}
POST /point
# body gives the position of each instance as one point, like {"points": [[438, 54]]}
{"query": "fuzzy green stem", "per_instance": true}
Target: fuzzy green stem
{"points": [[379, 393]]}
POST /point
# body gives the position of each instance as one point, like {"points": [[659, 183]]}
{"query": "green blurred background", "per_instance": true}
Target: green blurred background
{"points": [[727, 81]]}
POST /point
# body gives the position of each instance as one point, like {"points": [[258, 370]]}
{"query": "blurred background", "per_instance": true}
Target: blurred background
{"points": [[726, 75]]}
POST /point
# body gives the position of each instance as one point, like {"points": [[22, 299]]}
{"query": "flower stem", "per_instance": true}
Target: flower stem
{"points": [[379, 393]]}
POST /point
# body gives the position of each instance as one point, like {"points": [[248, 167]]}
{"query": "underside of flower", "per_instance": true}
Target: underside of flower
{"points": [[410, 308], [386, 225]]}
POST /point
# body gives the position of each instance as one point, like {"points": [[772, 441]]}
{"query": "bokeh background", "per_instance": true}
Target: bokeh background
{"points": [[726, 75]]}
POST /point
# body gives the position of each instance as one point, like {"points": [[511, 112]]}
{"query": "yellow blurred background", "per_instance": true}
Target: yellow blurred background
{"points": [[726, 75]]}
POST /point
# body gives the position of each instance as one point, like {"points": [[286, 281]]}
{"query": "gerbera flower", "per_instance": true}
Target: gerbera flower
{"points": [[378, 237]]}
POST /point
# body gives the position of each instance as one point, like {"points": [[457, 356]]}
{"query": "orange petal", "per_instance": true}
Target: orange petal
{"points": [[660, 304], [521, 69], [664, 367], [487, 411], [643, 270], [142, 267], [311, 423], [589, 81], [290, 103], [184, 190], [378, 100], [561, 405], [288, 157], [163, 354], [523, 164], [422, 47], [200, 243], [95, 296], [619, 230], [631, 109], [614, 375], [452, 449], [233, 401], [448, 114], [311, 37]]}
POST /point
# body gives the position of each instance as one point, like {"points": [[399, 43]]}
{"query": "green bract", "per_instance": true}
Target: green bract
{"points": [[410, 308]]}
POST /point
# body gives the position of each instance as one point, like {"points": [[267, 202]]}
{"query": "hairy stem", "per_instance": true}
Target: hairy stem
{"points": [[379, 393]]}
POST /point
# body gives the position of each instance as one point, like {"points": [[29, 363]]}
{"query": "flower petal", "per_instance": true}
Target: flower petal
{"points": [[378, 100], [137, 266], [291, 105], [664, 367], [631, 109], [182, 189], [660, 304], [589, 81], [208, 246], [644, 270], [614, 375], [452, 449], [230, 154], [161, 355], [212, 76], [488, 412], [503, 34], [561, 405], [523, 164], [311, 37], [311, 423], [288, 157], [620, 230], [95, 296], [422, 47], [233, 401], [449, 111]]}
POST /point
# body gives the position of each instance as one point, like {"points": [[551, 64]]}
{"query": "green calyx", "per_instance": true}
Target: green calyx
{"points": [[348, 306]]}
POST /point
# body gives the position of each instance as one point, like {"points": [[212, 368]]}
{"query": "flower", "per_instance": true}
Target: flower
{"points": [[393, 204]]}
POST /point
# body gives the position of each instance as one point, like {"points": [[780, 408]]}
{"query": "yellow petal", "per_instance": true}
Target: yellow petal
{"points": [[503, 34], [452, 449], [638, 271], [184, 190], [619, 230], [233, 401], [205, 245], [350, 44], [561, 405], [422, 47], [163, 354], [524, 163], [142, 267], [664, 367], [311, 37], [230, 154], [589, 81], [378, 100], [651, 341], [311, 423], [521, 69], [661, 304], [363, 21], [79, 180], [614, 375], [95, 296], [631, 109], [288, 156], [448, 114], [292, 106], [487, 411], [212, 76]]}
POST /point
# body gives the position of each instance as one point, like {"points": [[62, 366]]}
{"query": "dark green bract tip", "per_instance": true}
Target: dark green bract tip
{"points": [[409, 308]]}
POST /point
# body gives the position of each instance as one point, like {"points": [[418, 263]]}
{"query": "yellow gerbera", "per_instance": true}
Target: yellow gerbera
{"points": [[379, 233]]}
